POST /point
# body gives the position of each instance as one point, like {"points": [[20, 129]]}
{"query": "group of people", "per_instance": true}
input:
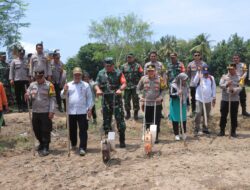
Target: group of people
{"points": [[45, 80]]}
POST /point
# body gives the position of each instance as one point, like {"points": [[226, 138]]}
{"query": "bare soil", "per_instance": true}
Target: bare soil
{"points": [[207, 162]]}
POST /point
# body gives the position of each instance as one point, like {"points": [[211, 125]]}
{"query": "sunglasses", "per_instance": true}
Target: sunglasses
{"points": [[197, 55]]}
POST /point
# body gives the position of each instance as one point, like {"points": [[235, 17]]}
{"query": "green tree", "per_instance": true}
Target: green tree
{"points": [[69, 66], [121, 34], [201, 44], [219, 60], [11, 13], [89, 58], [166, 46], [236, 45]]}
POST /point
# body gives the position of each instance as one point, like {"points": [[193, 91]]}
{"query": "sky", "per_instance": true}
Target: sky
{"points": [[64, 24]]}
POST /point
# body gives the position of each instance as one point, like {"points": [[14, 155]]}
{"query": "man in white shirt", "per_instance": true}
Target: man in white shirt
{"points": [[205, 93], [79, 105]]}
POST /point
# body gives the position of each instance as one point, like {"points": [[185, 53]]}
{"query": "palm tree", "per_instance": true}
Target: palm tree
{"points": [[201, 44]]}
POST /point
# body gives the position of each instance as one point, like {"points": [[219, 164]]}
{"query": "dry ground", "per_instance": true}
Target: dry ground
{"points": [[208, 162]]}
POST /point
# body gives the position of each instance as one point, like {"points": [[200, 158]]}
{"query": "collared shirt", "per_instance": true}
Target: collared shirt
{"points": [[235, 84], [150, 89], [206, 90], [40, 62], [160, 69], [79, 97], [19, 70], [43, 97], [56, 71], [192, 68], [241, 69]]}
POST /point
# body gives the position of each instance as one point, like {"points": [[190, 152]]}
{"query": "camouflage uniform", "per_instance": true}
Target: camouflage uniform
{"points": [[109, 83], [4, 76], [173, 70], [132, 72]]}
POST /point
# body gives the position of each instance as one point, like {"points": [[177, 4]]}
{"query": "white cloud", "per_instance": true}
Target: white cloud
{"points": [[29, 47]]}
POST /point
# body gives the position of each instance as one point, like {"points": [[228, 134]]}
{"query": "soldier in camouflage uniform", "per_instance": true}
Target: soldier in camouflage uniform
{"points": [[174, 68], [110, 83], [4, 77], [132, 72]]}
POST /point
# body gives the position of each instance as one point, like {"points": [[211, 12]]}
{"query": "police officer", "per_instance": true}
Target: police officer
{"points": [[42, 94], [110, 83], [38, 61], [229, 84], [241, 69], [57, 71], [192, 69], [151, 87], [19, 77], [159, 68], [132, 72]]}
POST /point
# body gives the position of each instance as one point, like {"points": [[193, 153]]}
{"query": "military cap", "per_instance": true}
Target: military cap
{"points": [[130, 55], [231, 66], [150, 68], [77, 70], [3, 54], [109, 60]]}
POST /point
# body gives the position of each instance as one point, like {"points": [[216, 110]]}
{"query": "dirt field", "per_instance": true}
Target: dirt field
{"points": [[208, 162]]}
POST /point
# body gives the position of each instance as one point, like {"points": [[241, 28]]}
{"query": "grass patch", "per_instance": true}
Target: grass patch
{"points": [[17, 142]]}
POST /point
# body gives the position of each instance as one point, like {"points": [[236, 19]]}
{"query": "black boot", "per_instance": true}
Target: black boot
{"points": [[45, 150], [156, 138], [39, 147], [243, 106], [136, 115], [221, 133], [19, 109], [122, 140], [128, 114], [233, 132], [244, 112]]}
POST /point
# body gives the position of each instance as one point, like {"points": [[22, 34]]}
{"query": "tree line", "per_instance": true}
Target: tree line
{"points": [[117, 36]]}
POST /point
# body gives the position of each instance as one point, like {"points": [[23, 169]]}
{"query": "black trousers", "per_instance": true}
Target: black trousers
{"points": [[149, 116], [94, 112], [19, 93], [176, 127], [193, 102], [243, 99], [58, 95], [42, 127], [224, 109], [82, 122]]}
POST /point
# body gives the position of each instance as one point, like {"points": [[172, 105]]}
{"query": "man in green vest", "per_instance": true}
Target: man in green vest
{"points": [[132, 72], [110, 83]]}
